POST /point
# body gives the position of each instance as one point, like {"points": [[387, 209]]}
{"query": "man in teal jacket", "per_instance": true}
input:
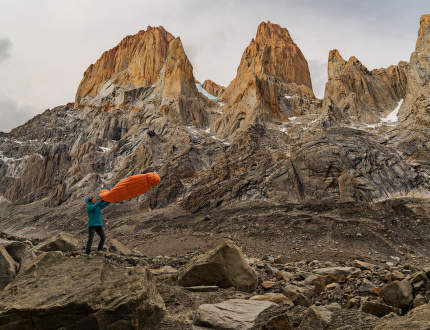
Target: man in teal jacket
{"points": [[95, 223]]}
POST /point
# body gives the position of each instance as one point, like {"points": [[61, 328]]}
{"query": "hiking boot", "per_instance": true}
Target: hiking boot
{"points": [[89, 256], [100, 253]]}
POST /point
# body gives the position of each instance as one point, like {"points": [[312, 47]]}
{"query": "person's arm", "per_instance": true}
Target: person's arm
{"points": [[102, 204]]}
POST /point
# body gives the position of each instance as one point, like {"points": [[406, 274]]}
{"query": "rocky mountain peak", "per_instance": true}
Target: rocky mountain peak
{"points": [[178, 78], [336, 63], [135, 62], [272, 67], [269, 32], [213, 88], [423, 41]]}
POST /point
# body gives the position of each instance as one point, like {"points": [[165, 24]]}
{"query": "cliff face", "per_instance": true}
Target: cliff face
{"points": [[419, 69], [272, 69], [213, 88], [353, 92], [135, 62]]}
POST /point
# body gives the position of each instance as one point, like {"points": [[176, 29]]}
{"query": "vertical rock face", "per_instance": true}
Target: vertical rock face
{"points": [[180, 99], [177, 77], [213, 88], [419, 67], [135, 62], [353, 92], [272, 68]]}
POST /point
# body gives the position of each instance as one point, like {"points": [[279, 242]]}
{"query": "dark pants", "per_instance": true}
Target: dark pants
{"points": [[100, 232]]}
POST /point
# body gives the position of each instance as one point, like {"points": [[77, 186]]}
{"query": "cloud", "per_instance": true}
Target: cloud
{"points": [[5, 45], [318, 70], [13, 114]]}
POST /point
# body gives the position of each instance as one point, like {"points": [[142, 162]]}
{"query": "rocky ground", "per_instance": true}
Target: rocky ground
{"points": [[51, 284]]}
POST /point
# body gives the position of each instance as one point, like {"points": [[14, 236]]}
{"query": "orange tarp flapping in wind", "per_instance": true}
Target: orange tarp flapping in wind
{"points": [[130, 187]]}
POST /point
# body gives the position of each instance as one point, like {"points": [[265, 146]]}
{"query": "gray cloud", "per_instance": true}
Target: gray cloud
{"points": [[5, 45], [318, 70], [13, 114]]}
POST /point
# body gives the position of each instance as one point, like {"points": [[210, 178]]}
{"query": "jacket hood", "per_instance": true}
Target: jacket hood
{"points": [[87, 200]]}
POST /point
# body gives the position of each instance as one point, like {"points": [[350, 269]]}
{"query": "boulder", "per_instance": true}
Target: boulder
{"points": [[397, 293], [8, 268], [378, 309], [316, 317], [20, 251], [277, 298], [117, 247], [417, 318], [60, 292], [61, 242], [233, 314], [296, 296], [223, 266]]}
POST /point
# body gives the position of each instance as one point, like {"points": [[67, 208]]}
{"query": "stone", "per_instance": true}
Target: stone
{"points": [[418, 301], [337, 271], [295, 294], [397, 276], [8, 268], [363, 265], [119, 248], [366, 287], [418, 277], [279, 322], [378, 309], [61, 242], [316, 317], [20, 251], [286, 276], [223, 266], [268, 284], [202, 288], [277, 298], [232, 314], [165, 270], [417, 318], [96, 293], [397, 293]]}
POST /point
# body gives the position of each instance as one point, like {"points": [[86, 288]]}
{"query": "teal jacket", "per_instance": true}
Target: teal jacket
{"points": [[95, 212]]}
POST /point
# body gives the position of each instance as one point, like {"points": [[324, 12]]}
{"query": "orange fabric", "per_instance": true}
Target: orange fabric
{"points": [[130, 187]]}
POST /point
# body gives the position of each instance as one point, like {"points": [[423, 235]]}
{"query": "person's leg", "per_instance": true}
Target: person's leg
{"points": [[90, 239], [101, 233]]}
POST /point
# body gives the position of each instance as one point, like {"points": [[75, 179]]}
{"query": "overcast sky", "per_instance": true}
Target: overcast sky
{"points": [[46, 45]]}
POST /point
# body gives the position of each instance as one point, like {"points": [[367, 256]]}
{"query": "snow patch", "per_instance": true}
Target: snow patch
{"points": [[393, 116], [292, 118], [288, 96], [105, 149], [205, 93]]}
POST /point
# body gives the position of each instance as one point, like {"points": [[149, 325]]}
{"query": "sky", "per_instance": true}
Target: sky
{"points": [[46, 45]]}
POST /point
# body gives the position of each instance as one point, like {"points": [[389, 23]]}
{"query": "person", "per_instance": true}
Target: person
{"points": [[95, 223]]}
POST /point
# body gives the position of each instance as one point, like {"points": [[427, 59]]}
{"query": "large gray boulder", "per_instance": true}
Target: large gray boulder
{"points": [[8, 268], [235, 314], [223, 266], [20, 251], [418, 318], [59, 292], [61, 242], [397, 293]]}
